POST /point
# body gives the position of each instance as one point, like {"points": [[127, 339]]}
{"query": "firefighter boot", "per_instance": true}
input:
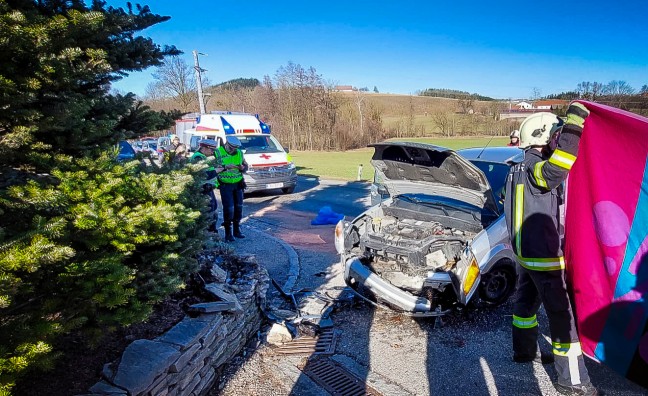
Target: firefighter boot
{"points": [[585, 390], [228, 233], [237, 230]]}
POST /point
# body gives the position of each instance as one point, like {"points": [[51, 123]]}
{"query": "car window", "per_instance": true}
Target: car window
{"points": [[495, 173], [258, 144]]}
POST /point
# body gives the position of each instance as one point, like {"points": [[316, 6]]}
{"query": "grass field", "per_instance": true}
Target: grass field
{"points": [[344, 165]]}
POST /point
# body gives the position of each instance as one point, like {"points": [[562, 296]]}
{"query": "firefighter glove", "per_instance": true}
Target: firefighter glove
{"points": [[576, 114]]}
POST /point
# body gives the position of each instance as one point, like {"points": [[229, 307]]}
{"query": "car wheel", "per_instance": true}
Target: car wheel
{"points": [[498, 284], [288, 190]]}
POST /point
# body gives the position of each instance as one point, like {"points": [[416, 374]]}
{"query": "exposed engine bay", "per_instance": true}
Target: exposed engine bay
{"points": [[404, 250]]}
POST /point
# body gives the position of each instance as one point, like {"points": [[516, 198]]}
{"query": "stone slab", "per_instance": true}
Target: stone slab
{"points": [[142, 362], [186, 333]]}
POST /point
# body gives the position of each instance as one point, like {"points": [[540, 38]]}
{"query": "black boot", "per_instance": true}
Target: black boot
{"points": [[228, 233], [237, 230], [213, 228]]}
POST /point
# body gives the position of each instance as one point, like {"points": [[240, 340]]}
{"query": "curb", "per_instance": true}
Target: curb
{"points": [[293, 258]]}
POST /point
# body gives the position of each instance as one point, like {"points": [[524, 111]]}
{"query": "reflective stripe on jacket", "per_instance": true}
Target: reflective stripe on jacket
{"points": [[532, 203], [223, 158]]}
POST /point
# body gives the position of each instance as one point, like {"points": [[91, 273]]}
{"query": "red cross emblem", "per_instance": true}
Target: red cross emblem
{"points": [[265, 156]]}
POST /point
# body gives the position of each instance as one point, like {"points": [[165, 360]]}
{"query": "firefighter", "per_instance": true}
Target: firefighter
{"points": [[534, 194], [206, 148], [230, 168], [515, 138]]}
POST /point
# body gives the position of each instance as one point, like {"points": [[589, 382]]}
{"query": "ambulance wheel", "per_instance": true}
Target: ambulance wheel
{"points": [[288, 190]]}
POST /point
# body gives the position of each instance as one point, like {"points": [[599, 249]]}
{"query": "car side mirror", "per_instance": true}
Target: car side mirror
{"points": [[286, 150]]}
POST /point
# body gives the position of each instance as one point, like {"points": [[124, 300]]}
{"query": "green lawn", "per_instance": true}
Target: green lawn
{"points": [[344, 165]]}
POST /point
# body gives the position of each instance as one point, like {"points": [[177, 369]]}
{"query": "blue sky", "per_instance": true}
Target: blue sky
{"points": [[502, 49]]}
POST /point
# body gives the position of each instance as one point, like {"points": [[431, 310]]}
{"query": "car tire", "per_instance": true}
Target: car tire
{"points": [[498, 284], [288, 190]]}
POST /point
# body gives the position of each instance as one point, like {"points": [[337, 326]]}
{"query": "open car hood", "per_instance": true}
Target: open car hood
{"points": [[419, 168]]}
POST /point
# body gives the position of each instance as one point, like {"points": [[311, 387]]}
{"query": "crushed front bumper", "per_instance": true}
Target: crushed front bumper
{"points": [[359, 277]]}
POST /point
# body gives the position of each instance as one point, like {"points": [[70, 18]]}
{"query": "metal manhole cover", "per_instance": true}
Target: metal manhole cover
{"points": [[336, 380], [323, 344]]}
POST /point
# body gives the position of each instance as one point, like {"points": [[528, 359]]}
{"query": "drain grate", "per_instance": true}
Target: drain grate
{"points": [[336, 380], [323, 344]]}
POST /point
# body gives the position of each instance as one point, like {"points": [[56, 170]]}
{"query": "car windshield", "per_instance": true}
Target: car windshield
{"points": [[495, 173], [259, 144]]}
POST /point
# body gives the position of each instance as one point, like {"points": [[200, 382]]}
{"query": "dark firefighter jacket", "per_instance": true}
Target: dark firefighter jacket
{"points": [[531, 206]]}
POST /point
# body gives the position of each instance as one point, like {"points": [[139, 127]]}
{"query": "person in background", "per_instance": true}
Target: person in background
{"points": [[534, 194], [230, 166], [206, 148], [178, 150], [515, 138]]}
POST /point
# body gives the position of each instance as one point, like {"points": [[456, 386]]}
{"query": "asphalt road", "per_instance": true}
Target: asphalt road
{"points": [[467, 353]]}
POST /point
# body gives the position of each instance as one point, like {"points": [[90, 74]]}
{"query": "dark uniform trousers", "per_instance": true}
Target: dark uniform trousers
{"points": [[232, 201], [533, 197]]}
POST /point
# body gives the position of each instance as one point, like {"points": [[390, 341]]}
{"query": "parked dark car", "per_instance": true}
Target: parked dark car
{"points": [[126, 151]]}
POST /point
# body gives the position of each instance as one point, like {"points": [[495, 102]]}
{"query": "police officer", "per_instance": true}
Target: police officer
{"points": [[534, 194], [206, 148], [230, 168]]}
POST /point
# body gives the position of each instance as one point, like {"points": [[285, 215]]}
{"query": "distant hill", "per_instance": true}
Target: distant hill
{"points": [[238, 83], [452, 94]]}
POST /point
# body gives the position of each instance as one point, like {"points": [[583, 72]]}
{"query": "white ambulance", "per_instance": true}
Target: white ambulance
{"points": [[270, 165]]}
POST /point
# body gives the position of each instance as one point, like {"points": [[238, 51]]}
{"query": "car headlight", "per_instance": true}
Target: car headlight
{"points": [[291, 165], [472, 273], [339, 237]]}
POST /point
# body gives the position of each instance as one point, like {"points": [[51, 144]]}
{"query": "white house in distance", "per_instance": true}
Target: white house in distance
{"points": [[523, 106]]}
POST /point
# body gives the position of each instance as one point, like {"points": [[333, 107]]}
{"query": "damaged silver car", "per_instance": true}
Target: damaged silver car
{"points": [[440, 238]]}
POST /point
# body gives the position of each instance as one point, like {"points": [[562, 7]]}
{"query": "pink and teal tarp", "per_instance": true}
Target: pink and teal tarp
{"points": [[606, 240]]}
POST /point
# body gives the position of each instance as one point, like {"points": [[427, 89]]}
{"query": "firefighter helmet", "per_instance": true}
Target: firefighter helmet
{"points": [[515, 134], [537, 129]]}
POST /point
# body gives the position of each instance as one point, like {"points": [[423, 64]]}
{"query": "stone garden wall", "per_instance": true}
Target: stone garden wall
{"points": [[188, 359]]}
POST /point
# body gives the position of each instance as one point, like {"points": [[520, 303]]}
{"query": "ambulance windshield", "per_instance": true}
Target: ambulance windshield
{"points": [[259, 144]]}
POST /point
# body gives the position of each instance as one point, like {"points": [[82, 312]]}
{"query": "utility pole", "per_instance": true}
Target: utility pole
{"points": [[201, 100]]}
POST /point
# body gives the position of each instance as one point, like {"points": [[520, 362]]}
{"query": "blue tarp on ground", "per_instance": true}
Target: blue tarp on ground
{"points": [[327, 216]]}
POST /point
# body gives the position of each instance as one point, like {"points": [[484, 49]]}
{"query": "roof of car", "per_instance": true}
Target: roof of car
{"points": [[424, 146], [493, 154]]}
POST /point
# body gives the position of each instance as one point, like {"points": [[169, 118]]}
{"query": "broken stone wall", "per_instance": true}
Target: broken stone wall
{"points": [[186, 359]]}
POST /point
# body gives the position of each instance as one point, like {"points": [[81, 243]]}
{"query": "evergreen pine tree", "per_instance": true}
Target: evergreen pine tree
{"points": [[85, 241]]}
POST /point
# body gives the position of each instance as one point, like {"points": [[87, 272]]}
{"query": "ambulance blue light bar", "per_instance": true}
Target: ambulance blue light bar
{"points": [[265, 128], [227, 127]]}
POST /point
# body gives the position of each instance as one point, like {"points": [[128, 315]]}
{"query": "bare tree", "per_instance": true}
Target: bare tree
{"points": [[618, 91], [359, 97], [443, 121], [466, 104], [175, 78], [590, 90]]}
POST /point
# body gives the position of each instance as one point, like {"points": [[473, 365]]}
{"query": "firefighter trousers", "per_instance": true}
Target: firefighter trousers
{"points": [[548, 288]]}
